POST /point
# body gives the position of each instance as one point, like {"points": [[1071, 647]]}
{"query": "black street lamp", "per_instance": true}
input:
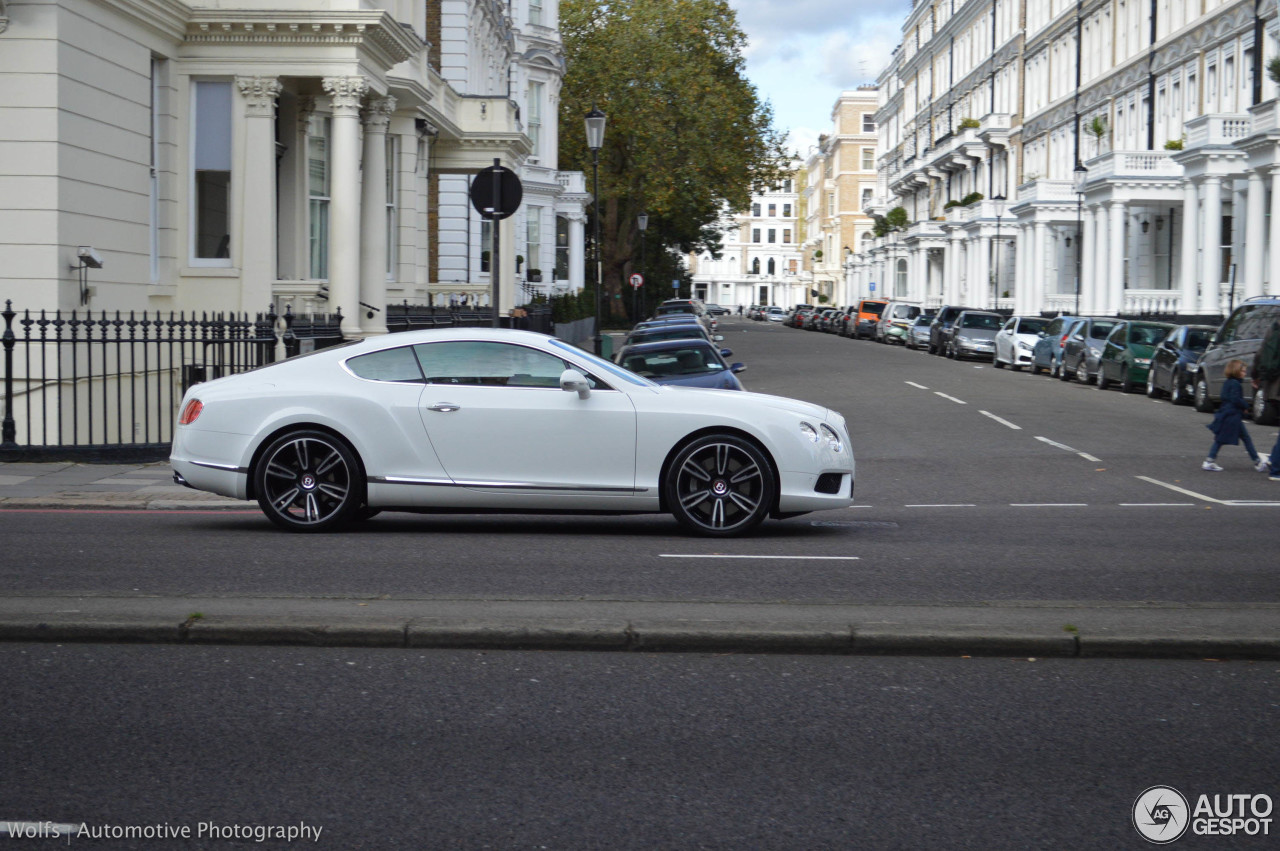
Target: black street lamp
{"points": [[595, 141], [1081, 175], [642, 222], [998, 202]]}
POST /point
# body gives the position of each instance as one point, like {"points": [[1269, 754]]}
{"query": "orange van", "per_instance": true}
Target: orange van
{"points": [[864, 324]]}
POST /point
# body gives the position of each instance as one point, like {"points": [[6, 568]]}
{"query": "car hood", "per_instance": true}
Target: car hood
{"points": [[782, 403], [976, 333]]}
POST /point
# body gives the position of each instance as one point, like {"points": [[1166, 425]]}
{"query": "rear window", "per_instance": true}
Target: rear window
{"points": [[874, 308], [1100, 330], [398, 365]]}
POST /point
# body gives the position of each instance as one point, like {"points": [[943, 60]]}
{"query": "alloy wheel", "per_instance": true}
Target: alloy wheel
{"points": [[307, 482], [720, 486]]}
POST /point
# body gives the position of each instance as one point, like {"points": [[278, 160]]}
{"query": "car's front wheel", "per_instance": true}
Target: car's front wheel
{"points": [[1201, 399], [720, 485], [308, 481], [1153, 392]]}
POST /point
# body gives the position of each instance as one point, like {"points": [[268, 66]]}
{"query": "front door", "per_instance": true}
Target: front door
{"points": [[498, 420]]}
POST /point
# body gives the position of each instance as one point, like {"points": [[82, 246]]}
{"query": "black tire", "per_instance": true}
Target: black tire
{"points": [[1204, 404], [1178, 394], [1064, 374], [1153, 392], [996, 362], [1082, 371], [720, 486], [1264, 411], [1126, 382], [1103, 381], [309, 481]]}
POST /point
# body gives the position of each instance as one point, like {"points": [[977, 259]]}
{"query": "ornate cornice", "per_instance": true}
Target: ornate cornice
{"points": [[346, 92], [371, 30]]}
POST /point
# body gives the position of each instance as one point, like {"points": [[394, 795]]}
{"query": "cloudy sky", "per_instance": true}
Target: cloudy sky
{"points": [[803, 53]]}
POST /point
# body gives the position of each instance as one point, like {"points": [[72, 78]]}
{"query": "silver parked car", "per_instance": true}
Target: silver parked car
{"points": [[974, 334]]}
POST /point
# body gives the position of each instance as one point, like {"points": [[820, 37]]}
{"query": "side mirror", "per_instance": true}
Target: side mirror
{"points": [[738, 367], [573, 381], [726, 353]]}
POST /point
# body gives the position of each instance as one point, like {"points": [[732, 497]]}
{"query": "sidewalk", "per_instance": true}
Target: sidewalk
{"points": [[1025, 629]]}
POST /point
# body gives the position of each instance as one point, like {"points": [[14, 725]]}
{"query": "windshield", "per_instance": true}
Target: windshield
{"points": [[602, 364], [982, 320], [686, 360], [1198, 340], [1100, 330], [873, 308], [682, 332], [1147, 335], [1032, 326]]}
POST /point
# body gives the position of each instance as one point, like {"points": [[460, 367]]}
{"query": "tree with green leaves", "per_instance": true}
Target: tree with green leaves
{"points": [[687, 134]]}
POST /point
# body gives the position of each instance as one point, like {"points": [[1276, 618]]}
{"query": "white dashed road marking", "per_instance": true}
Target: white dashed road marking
{"points": [[950, 398], [1001, 420], [1084, 455]]}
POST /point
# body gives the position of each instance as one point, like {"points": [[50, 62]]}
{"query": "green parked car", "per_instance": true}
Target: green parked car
{"points": [[1126, 355]]}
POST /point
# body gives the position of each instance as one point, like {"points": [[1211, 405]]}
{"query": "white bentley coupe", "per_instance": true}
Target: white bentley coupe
{"points": [[487, 420]]}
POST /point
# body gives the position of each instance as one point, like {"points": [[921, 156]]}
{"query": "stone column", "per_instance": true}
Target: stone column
{"points": [[1189, 302], [1273, 280], [577, 253], [344, 199], [980, 292], [257, 231], [1255, 236], [1211, 259], [1098, 257], [1086, 250], [373, 217], [1036, 274], [1113, 287]]}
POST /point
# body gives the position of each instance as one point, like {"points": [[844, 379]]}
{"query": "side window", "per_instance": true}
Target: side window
{"points": [[1231, 328], [1257, 324], [488, 364], [397, 365], [1117, 336], [1008, 326]]}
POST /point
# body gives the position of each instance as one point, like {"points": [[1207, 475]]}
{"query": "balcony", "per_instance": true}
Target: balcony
{"points": [[1265, 117], [1217, 130], [1047, 190], [1133, 164]]}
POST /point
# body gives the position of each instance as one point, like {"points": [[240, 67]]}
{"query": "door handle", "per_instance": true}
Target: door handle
{"points": [[444, 407]]}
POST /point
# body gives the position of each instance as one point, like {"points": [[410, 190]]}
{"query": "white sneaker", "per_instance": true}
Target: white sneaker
{"points": [[1262, 465], [1211, 466]]}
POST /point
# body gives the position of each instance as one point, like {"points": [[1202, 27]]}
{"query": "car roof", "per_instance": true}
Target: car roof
{"points": [[658, 345]]}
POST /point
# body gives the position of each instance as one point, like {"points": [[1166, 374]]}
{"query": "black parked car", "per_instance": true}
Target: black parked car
{"points": [[1239, 337], [1174, 363]]}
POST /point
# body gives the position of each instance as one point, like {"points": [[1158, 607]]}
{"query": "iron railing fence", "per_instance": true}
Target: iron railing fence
{"points": [[85, 385], [81, 384]]}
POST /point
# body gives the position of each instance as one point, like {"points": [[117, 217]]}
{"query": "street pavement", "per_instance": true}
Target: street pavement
{"points": [[1134, 629]]}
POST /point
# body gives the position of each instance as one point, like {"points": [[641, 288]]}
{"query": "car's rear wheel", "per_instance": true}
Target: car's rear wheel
{"points": [[1103, 381], [1202, 401], [1082, 371], [720, 485], [1126, 380], [1153, 392], [1064, 374], [1264, 412], [308, 481]]}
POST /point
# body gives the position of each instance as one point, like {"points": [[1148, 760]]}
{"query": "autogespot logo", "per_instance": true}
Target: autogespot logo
{"points": [[1160, 814]]}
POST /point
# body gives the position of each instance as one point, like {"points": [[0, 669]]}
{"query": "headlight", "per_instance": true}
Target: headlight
{"points": [[1096, 353], [809, 432], [833, 439], [964, 340], [1026, 347]]}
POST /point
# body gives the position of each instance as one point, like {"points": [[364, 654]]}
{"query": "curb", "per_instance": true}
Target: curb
{"points": [[637, 636]]}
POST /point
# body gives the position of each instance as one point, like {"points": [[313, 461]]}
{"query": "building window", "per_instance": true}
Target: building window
{"points": [[868, 159], [211, 180], [561, 272], [318, 194], [533, 239], [755, 234], [772, 267], [392, 189], [866, 197], [786, 186], [755, 210], [486, 243], [773, 235], [755, 265], [535, 116], [868, 122], [535, 12], [786, 235], [153, 228], [786, 211], [773, 210]]}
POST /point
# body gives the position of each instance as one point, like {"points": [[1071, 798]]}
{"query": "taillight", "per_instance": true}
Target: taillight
{"points": [[1063, 341], [190, 412]]}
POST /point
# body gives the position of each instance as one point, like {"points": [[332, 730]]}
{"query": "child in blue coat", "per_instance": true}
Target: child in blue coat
{"points": [[1228, 423]]}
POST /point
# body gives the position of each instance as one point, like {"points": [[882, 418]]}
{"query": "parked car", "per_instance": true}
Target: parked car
{"points": [[496, 419], [1173, 365], [918, 335], [677, 319], [717, 310], [869, 310], [1126, 355], [687, 363], [973, 334], [674, 331], [940, 330], [1083, 348], [1240, 336], [894, 321], [1016, 340], [1046, 353], [800, 317], [775, 314]]}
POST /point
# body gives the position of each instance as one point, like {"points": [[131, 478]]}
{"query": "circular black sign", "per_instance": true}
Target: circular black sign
{"points": [[496, 192]]}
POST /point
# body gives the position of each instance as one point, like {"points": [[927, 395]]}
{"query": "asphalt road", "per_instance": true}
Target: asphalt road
{"points": [[973, 484], [513, 750]]}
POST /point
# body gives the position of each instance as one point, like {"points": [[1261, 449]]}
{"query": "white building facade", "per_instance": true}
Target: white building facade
{"points": [[760, 261], [1100, 157], [309, 156]]}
